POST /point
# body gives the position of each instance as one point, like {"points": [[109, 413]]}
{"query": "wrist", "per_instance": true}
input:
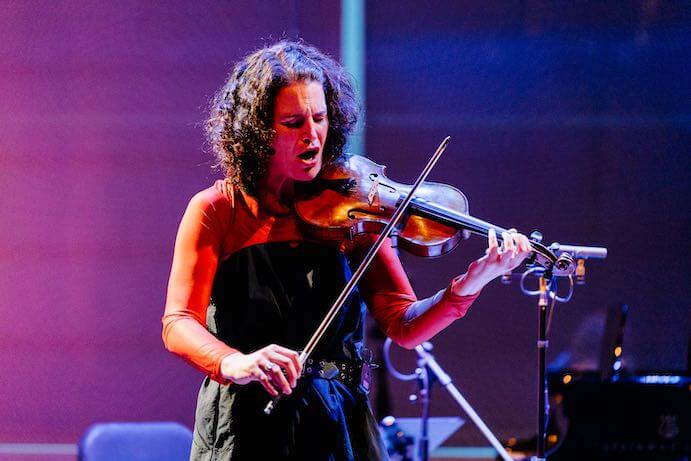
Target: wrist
{"points": [[229, 364], [466, 285]]}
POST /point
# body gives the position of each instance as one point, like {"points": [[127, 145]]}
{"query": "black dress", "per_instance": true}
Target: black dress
{"points": [[279, 293]]}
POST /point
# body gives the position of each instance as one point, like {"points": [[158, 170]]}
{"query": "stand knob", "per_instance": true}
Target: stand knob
{"points": [[580, 272], [536, 236], [564, 262]]}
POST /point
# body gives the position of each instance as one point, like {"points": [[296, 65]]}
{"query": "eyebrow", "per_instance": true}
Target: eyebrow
{"points": [[286, 116]]}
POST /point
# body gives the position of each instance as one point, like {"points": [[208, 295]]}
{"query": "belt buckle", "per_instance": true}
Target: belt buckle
{"points": [[328, 370]]}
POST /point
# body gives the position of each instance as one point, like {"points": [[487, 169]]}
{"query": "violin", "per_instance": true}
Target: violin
{"points": [[353, 195]]}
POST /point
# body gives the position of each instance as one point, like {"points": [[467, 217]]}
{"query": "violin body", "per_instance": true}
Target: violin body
{"points": [[354, 196]]}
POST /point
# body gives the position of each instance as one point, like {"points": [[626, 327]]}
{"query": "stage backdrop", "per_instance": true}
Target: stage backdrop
{"points": [[101, 149], [573, 120]]}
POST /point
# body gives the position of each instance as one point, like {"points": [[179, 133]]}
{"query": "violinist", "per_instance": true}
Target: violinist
{"points": [[248, 288]]}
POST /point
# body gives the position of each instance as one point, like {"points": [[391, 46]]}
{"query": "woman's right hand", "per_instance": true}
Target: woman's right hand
{"points": [[275, 367]]}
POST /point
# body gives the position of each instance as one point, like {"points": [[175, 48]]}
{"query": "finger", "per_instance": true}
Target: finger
{"points": [[507, 244], [523, 250], [287, 364], [514, 243], [492, 244], [514, 234], [294, 357], [265, 381], [275, 372]]}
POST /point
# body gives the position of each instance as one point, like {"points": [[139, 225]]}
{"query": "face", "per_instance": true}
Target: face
{"points": [[301, 124]]}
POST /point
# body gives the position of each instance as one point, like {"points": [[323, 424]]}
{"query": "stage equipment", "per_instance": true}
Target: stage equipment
{"points": [[401, 445], [427, 372], [613, 343], [635, 418], [547, 289], [611, 414], [581, 253]]}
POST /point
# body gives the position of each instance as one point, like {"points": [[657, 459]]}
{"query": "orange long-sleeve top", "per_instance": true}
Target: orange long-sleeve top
{"points": [[219, 222]]}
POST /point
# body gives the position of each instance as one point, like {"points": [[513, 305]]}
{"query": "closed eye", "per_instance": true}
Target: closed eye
{"points": [[292, 123], [319, 116], [299, 121]]}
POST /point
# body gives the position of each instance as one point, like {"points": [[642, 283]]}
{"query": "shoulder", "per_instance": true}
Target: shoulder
{"points": [[213, 206], [217, 196]]}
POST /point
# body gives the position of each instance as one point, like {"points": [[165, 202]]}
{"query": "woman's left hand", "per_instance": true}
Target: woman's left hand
{"points": [[496, 261]]}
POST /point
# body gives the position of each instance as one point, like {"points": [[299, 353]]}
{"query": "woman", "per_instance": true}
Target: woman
{"points": [[247, 288]]}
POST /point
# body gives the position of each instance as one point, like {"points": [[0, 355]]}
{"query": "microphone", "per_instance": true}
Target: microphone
{"points": [[579, 252]]}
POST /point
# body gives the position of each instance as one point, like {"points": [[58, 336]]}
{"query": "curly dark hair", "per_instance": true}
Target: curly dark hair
{"points": [[240, 125]]}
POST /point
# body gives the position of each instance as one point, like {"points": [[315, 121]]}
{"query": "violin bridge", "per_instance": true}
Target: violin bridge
{"points": [[373, 192]]}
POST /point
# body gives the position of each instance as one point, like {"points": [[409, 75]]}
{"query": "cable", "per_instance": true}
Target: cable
{"points": [[551, 285], [389, 365]]}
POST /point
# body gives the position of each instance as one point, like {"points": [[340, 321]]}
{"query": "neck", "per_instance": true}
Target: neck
{"points": [[276, 195]]}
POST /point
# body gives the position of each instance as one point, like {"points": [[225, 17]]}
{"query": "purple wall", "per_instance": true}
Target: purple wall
{"points": [[573, 120], [100, 150]]}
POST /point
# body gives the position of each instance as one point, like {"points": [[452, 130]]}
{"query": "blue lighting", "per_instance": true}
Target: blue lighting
{"points": [[660, 379]]}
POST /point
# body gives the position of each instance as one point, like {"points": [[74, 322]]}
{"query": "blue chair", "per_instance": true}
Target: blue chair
{"points": [[136, 442]]}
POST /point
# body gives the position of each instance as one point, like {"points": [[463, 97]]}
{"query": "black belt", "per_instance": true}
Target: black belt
{"points": [[347, 372]]}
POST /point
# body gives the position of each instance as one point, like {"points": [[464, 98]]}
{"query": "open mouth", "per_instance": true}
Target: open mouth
{"points": [[308, 155]]}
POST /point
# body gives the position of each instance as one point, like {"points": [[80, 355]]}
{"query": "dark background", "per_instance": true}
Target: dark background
{"points": [[573, 118]]}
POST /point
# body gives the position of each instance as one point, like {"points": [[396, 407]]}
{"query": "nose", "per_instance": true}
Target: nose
{"points": [[310, 136]]}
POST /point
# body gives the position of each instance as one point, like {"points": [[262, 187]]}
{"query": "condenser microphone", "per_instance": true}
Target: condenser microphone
{"points": [[579, 252]]}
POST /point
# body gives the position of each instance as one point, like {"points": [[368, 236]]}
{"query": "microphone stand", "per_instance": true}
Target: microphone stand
{"points": [[424, 373], [429, 370], [427, 362], [547, 288], [542, 389]]}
